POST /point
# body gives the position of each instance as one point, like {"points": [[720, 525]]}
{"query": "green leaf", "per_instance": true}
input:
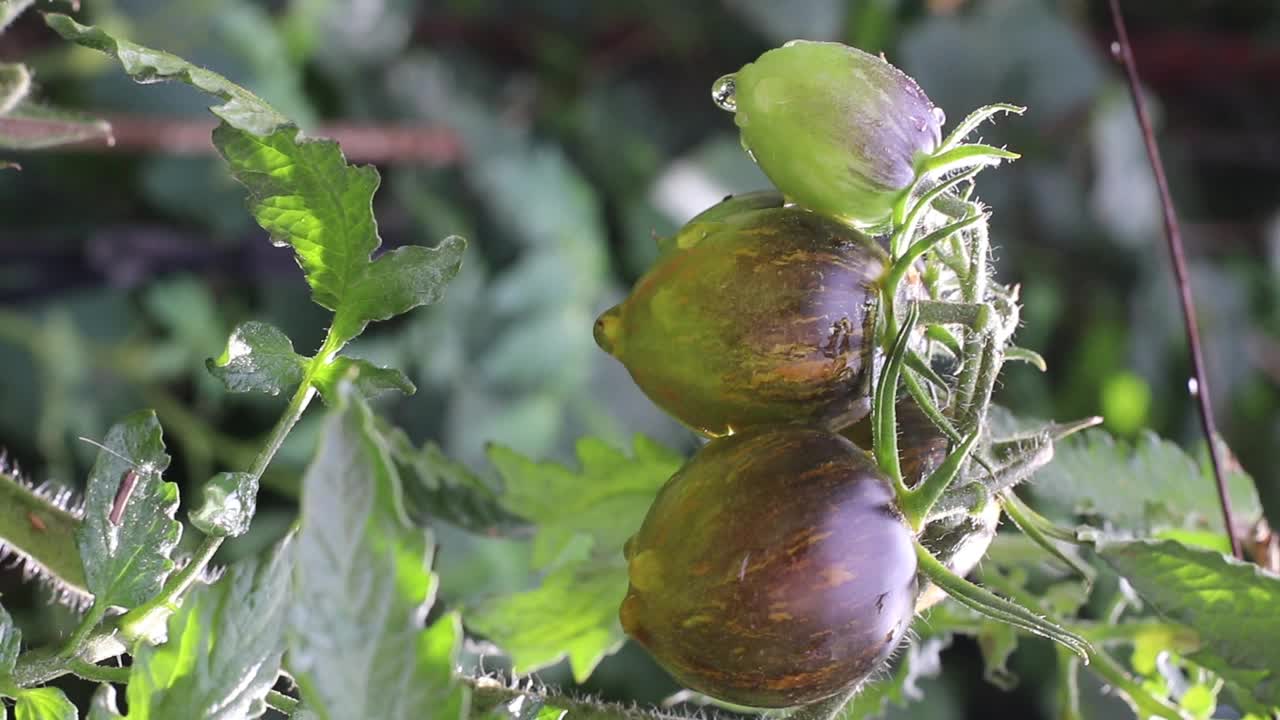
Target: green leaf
{"points": [[223, 649], [103, 706], [46, 703], [1143, 487], [259, 357], [308, 197], [230, 500], [127, 536], [606, 499], [573, 614], [1233, 605], [32, 126], [10, 645], [583, 518], [241, 109], [369, 380], [437, 488], [356, 646]]}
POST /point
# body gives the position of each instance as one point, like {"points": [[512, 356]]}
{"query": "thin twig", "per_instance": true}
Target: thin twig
{"points": [[1124, 52], [381, 144]]}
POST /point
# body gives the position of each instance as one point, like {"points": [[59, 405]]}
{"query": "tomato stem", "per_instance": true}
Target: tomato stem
{"points": [[984, 601]]}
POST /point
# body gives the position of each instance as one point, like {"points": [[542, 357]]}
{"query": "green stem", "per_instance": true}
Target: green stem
{"points": [[282, 703], [917, 504], [1143, 703], [99, 673], [993, 606], [39, 666], [87, 625], [884, 427], [135, 620]]}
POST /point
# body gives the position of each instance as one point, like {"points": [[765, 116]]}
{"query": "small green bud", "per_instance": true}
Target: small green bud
{"points": [[837, 130]]}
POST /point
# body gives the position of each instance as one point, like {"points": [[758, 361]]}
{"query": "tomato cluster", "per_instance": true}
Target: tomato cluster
{"points": [[775, 568]]}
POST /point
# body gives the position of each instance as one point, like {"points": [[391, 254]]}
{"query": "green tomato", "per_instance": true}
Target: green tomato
{"points": [[837, 130], [752, 318]]}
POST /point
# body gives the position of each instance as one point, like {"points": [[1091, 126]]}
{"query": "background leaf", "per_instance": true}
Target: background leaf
{"points": [[573, 614], [126, 563], [583, 519], [438, 488], [1231, 604], [606, 499], [356, 646], [1094, 474], [223, 649]]}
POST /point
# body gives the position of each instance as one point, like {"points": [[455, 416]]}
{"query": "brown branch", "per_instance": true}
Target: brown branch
{"points": [[380, 144], [1200, 387]]}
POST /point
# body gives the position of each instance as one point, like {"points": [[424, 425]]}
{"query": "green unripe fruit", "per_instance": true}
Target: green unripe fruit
{"points": [[758, 317], [837, 130], [773, 569]]}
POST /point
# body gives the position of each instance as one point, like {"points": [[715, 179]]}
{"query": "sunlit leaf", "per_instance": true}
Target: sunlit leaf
{"points": [[46, 703], [1231, 604], [362, 576], [223, 649], [258, 358]]}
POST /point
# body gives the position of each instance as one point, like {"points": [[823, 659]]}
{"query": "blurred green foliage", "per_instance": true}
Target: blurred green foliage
{"points": [[582, 130]]}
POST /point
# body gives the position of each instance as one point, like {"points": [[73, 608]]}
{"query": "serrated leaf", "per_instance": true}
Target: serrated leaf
{"points": [[10, 645], [356, 646], [223, 649], [32, 126], [1233, 606], [230, 500], [437, 487], [369, 380], [605, 499], [241, 109], [1142, 487], [308, 197], [259, 357], [128, 534], [46, 703], [573, 614], [583, 518], [103, 706]]}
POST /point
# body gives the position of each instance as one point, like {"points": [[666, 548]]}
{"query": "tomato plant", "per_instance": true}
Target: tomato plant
{"points": [[834, 342]]}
